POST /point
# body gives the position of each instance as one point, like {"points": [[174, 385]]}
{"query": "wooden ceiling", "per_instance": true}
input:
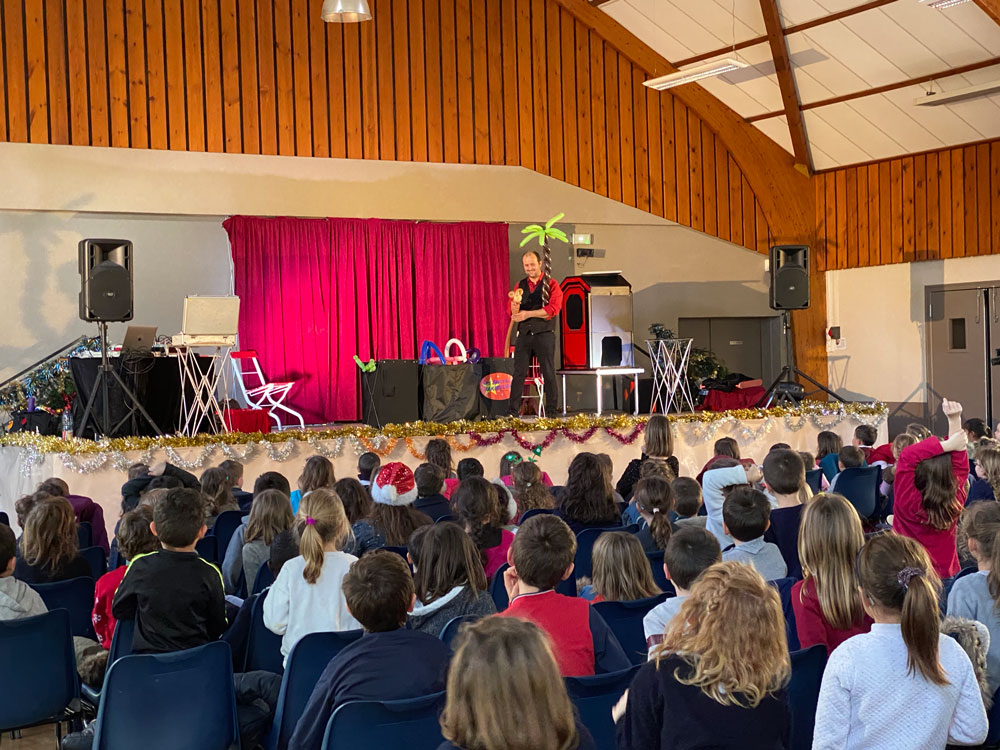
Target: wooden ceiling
{"points": [[833, 82]]}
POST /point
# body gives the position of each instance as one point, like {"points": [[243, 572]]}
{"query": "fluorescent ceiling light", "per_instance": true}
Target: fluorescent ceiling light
{"points": [[696, 73], [934, 98], [942, 4]]}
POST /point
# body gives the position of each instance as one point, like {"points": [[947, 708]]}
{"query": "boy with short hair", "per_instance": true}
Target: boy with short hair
{"points": [[272, 480], [864, 439], [785, 478], [850, 457], [390, 662], [540, 557], [745, 515], [430, 481], [689, 552], [17, 599], [234, 472], [175, 597], [687, 502]]}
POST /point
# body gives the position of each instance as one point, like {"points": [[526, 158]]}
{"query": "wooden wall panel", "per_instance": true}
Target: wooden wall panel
{"points": [[939, 204]]}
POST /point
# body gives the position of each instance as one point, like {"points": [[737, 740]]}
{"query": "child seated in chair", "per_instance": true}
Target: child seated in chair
{"points": [[746, 516], [390, 662], [17, 599], [540, 557], [688, 502], [850, 457]]}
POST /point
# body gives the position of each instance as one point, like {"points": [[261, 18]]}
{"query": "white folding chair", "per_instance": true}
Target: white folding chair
{"points": [[265, 395], [535, 379]]}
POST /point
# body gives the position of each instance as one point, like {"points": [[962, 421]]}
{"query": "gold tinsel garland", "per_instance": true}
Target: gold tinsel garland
{"points": [[868, 411]]}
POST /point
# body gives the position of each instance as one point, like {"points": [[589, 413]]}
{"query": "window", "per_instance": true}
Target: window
{"points": [[957, 333]]}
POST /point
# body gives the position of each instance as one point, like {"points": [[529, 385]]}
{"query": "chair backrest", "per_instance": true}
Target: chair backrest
{"points": [[84, 534], [263, 579], [75, 595], [625, 621], [803, 693], [814, 478], [401, 551], [594, 697], [860, 486], [585, 540], [224, 528], [98, 562], [536, 512], [499, 592], [246, 365], [446, 518], [452, 627], [411, 723], [656, 566], [144, 696], [208, 548], [263, 646], [4, 518], [784, 587], [306, 662], [39, 651], [993, 735], [121, 641], [967, 571]]}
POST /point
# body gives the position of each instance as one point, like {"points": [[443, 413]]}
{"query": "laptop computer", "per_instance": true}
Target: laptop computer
{"points": [[139, 337]]}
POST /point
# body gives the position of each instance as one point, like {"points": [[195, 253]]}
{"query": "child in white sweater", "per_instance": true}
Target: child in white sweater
{"points": [[903, 685], [307, 596]]}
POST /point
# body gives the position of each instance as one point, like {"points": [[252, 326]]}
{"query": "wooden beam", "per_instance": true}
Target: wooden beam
{"points": [[887, 87], [754, 41], [786, 82], [991, 8]]}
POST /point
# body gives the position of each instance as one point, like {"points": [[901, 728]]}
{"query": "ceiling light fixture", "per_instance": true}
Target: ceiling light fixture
{"points": [[346, 11], [942, 4], [695, 73]]}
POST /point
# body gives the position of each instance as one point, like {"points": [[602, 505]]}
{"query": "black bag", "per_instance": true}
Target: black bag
{"points": [[36, 421], [451, 392]]}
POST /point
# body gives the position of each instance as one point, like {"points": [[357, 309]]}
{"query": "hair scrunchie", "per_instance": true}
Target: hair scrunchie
{"points": [[904, 576], [310, 521]]}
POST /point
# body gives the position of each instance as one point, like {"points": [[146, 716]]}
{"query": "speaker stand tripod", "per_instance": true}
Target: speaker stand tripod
{"points": [[105, 371], [788, 373]]}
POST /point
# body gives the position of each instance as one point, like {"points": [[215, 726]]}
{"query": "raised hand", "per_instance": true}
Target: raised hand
{"points": [[951, 409]]}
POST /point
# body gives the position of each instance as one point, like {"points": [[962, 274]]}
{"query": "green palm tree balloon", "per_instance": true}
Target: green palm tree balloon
{"points": [[543, 234]]}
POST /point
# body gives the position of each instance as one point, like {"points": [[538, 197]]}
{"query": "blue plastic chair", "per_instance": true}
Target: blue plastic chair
{"points": [[814, 478], [75, 595], [625, 621], [37, 657], [784, 587], [263, 646], [499, 592], [208, 549], [993, 715], [585, 540], [860, 486], [411, 723], [401, 551], [4, 518], [536, 512], [306, 662], [84, 535], [594, 697], [656, 566], [451, 629], [224, 528], [121, 645], [263, 579], [98, 562], [803, 693], [966, 571], [446, 518], [145, 694]]}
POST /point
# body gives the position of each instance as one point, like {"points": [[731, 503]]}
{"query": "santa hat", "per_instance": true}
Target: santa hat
{"points": [[394, 485]]}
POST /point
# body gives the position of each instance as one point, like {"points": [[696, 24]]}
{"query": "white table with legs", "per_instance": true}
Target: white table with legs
{"points": [[599, 374]]}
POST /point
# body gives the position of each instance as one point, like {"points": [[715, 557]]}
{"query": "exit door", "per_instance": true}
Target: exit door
{"points": [[963, 335]]}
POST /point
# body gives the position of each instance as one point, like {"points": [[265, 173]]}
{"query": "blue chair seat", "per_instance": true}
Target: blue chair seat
{"points": [[208, 548], [411, 723], [450, 631], [625, 621], [75, 595], [121, 645], [594, 697], [585, 540], [860, 486]]}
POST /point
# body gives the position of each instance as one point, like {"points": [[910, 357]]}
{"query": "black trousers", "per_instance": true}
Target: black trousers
{"points": [[541, 344]]}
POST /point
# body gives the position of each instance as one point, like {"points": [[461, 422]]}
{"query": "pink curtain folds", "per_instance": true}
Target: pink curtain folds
{"points": [[315, 292]]}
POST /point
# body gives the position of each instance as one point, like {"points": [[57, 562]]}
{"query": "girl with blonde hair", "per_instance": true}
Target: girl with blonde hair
{"points": [[307, 596], [718, 677], [218, 492], [621, 571], [49, 550], [905, 684], [657, 446], [250, 545], [505, 692], [316, 474], [530, 492], [826, 602]]}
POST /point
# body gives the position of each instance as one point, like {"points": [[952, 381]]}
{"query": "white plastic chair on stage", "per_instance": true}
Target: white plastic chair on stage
{"points": [[265, 395]]}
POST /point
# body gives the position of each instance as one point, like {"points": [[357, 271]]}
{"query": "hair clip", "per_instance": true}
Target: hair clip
{"points": [[310, 521], [906, 574]]}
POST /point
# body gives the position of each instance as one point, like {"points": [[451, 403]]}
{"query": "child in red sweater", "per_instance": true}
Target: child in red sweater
{"points": [[930, 491], [540, 557], [134, 538]]}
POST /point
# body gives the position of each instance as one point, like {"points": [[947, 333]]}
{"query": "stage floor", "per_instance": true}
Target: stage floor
{"points": [[98, 471]]}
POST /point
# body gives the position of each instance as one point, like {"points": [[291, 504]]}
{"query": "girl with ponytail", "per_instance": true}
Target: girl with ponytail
{"points": [[654, 499], [930, 491], [904, 684], [977, 596], [307, 596]]}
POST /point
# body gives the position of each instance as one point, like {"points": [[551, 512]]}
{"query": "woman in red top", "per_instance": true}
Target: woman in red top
{"points": [[826, 602], [930, 491]]}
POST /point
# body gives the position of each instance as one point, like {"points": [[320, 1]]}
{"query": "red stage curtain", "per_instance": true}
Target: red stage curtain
{"points": [[315, 292]]}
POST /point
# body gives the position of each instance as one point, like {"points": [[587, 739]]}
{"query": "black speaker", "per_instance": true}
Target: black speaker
{"points": [[789, 277], [105, 280], [391, 394]]}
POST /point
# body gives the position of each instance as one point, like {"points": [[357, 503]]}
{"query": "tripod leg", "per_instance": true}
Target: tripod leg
{"points": [[136, 403], [784, 376], [88, 411], [820, 386]]}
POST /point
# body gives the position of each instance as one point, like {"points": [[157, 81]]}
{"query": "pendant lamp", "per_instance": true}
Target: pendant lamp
{"points": [[346, 11]]}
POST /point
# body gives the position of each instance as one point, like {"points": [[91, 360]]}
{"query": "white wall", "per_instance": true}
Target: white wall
{"points": [[881, 314]]}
